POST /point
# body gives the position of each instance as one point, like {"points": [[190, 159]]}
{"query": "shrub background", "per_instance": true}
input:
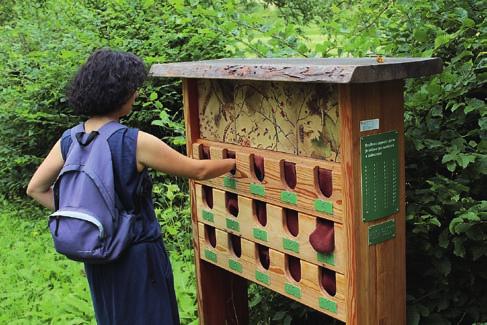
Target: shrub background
{"points": [[44, 41]]}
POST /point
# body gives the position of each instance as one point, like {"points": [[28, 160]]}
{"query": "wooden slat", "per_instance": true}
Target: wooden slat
{"points": [[275, 230], [375, 274], [306, 189], [277, 273]]}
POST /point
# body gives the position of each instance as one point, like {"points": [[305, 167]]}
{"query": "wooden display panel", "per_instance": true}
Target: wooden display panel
{"points": [[310, 113], [306, 197], [307, 291], [275, 233]]}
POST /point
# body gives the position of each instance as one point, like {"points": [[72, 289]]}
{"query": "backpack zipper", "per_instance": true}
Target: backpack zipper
{"points": [[81, 216], [57, 225]]}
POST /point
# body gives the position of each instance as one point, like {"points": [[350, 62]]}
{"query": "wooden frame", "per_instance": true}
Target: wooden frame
{"points": [[369, 275]]}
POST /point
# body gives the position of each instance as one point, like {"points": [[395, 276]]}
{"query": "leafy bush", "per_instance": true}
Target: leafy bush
{"points": [[43, 43], [445, 133]]}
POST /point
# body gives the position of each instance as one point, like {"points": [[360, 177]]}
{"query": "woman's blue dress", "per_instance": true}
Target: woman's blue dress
{"points": [[137, 288]]}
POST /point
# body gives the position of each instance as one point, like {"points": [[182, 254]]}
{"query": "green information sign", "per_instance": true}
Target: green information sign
{"points": [[323, 206], [289, 197], [257, 189], [232, 224], [290, 245], [292, 290], [382, 231], [262, 277], [210, 255], [326, 258], [208, 216], [234, 265], [328, 304], [380, 175], [259, 234], [229, 182]]}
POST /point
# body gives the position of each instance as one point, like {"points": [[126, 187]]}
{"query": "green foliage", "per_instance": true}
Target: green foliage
{"points": [[39, 286], [445, 134], [43, 46]]}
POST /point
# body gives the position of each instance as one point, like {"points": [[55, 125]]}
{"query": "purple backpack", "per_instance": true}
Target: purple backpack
{"points": [[90, 223]]}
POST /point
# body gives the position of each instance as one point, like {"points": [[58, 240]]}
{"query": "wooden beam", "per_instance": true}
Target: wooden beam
{"points": [[376, 273]]}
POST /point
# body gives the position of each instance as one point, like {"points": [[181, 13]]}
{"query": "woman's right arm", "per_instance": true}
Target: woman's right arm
{"points": [[155, 154]]}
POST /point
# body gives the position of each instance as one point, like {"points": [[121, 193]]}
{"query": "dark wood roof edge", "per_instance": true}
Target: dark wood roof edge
{"points": [[347, 70]]}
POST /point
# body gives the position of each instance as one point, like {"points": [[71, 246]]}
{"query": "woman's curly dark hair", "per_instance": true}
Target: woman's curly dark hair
{"points": [[105, 82]]}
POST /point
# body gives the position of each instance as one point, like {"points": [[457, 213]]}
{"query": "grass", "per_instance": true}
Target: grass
{"points": [[40, 286]]}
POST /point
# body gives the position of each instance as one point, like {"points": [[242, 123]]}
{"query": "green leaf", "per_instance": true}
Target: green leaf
{"points": [[413, 316], [421, 34], [443, 39], [153, 96], [464, 160], [459, 248]]}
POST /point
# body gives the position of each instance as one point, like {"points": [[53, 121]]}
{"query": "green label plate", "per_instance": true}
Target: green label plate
{"points": [[257, 189], [326, 258], [210, 255], [290, 245], [328, 305], [230, 182], [233, 224], [289, 197], [208, 216], [323, 206], [259, 234], [379, 155], [292, 290], [262, 277], [381, 232], [234, 265]]}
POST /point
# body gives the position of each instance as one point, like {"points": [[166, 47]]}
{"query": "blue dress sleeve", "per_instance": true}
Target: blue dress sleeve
{"points": [[65, 143]]}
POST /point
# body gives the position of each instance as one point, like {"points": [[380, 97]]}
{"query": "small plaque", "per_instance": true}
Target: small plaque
{"points": [[259, 234], [262, 277], [230, 182], [379, 155], [290, 245], [326, 258], [382, 231], [210, 255], [289, 197], [368, 125], [328, 305], [234, 265], [292, 290], [257, 189], [323, 206], [208, 216], [233, 224]]}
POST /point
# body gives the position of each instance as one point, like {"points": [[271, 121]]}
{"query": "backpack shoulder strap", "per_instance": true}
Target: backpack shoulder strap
{"points": [[79, 135], [109, 128]]}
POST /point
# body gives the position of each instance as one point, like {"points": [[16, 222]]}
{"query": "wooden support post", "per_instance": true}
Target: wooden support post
{"points": [[376, 273], [222, 296]]}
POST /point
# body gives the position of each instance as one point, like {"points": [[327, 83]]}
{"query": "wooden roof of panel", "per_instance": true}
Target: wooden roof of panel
{"points": [[327, 70]]}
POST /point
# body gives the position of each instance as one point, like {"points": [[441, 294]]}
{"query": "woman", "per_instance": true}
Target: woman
{"points": [[137, 288]]}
